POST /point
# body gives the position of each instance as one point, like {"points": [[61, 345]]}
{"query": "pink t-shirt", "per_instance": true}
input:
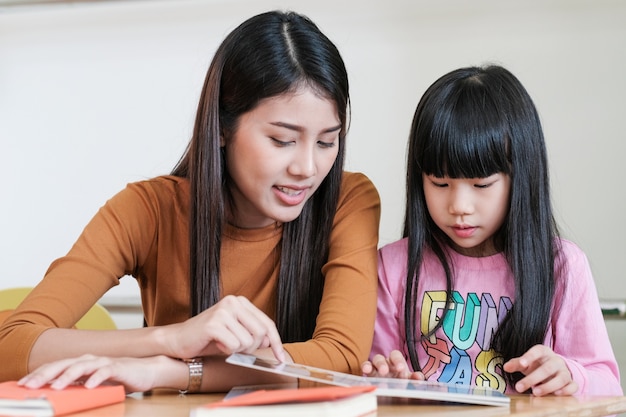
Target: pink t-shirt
{"points": [[483, 291]]}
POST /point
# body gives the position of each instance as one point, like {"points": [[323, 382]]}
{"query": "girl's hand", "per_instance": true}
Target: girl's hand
{"points": [[395, 366], [136, 374], [234, 324], [545, 372]]}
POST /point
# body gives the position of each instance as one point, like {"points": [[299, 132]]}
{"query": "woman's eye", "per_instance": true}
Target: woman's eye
{"points": [[281, 142], [439, 184], [323, 144]]}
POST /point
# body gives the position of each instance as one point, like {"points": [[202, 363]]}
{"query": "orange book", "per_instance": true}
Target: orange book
{"points": [[301, 402], [16, 400]]}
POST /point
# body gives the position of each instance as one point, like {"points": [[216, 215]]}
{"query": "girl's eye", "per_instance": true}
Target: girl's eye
{"points": [[439, 182], [485, 183]]}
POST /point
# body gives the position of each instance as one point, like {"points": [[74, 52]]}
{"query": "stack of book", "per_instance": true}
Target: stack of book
{"points": [[16, 400], [294, 402]]}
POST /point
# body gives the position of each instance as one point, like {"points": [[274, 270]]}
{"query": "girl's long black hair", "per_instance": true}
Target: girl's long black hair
{"points": [[472, 123], [269, 54]]}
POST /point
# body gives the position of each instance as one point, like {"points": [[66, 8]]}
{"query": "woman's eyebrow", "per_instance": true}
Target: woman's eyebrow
{"points": [[297, 128]]}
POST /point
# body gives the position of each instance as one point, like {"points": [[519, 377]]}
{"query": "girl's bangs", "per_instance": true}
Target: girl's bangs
{"points": [[471, 141]]}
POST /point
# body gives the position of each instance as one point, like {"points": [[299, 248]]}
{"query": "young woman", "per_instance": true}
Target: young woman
{"points": [[256, 239], [482, 290]]}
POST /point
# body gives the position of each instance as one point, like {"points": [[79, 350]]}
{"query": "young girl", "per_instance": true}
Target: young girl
{"points": [[482, 290], [257, 237]]}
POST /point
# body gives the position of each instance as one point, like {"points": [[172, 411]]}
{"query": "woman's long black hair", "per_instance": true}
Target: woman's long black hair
{"points": [[472, 123], [269, 54]]}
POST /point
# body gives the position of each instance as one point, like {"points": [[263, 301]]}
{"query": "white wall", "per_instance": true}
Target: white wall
{"points": [[93, 96]]}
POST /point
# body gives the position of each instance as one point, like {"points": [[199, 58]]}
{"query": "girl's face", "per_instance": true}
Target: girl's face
{"points": [[279, 154], [469, 210]]}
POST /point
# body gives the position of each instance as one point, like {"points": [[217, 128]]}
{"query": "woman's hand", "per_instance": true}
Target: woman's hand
{"points": [[136, 374], [395, 366], [544, 371], [234, 324]]}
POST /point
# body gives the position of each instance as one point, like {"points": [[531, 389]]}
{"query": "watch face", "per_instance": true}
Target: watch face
{"points": [[195, 375]]}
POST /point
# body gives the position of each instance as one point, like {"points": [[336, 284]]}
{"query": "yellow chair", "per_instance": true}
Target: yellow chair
{"points": [[97, 318]]}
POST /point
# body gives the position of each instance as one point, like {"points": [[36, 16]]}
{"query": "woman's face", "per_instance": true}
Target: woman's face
{"points": [[278, 156]]}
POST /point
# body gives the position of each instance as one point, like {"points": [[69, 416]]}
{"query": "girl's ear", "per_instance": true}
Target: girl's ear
{"points": [[222, 141]]}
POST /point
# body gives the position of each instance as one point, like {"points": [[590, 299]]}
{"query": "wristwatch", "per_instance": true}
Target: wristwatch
{"points": [[195, 375]]}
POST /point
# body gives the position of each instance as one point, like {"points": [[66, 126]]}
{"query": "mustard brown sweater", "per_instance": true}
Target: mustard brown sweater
{"points": [[143, 232]]}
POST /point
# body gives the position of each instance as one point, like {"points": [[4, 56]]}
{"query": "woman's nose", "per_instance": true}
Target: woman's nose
{"points": [[303, 163]]}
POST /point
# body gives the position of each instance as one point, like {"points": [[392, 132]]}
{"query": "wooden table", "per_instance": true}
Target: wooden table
{"points": [[170, 404]]}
